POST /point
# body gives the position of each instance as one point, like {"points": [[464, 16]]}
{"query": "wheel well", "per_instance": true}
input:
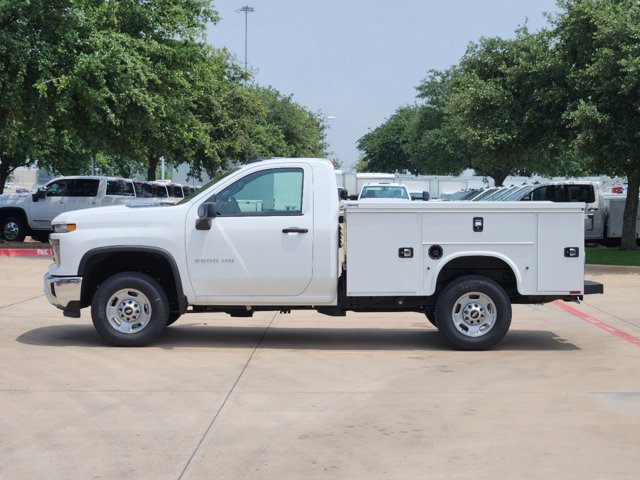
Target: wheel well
{"points": [[15, 212], [494, 268], [96, 268]]}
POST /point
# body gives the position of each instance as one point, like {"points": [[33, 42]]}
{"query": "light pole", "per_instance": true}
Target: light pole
{"points": [[247, 10]]}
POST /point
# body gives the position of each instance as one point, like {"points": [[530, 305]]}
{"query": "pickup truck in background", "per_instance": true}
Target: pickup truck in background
{"points": [[603, 211], [31, 214], [384, 192], [271, 236]]}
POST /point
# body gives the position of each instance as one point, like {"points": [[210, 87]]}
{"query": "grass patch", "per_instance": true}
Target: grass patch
{"points": [[612, 256]]}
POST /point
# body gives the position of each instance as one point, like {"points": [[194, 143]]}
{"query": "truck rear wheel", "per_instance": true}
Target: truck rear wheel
{"points": [[473, 312], [173, 317], [130, 309], [431, 316], [13, 229]]}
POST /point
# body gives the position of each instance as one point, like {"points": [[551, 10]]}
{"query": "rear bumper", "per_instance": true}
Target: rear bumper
{"points": [[591, 288], [64, 293]]}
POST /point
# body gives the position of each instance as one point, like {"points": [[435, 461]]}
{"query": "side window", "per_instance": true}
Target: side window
{"points": [[84, 188], [174, 190], [59, 188], [268, 193], [158, 190], [540, 194], [121, 188], [580, 193], [550, 193]]}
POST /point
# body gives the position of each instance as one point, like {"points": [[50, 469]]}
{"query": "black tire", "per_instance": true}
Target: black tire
{"points": [[130, 309], [473, 312], [173, 316], [431, 316], [13, 229]]}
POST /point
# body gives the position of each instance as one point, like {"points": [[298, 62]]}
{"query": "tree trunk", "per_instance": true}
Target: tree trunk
{"points": [[152, 166], [628, 240], [5, 163], [499, 177]]}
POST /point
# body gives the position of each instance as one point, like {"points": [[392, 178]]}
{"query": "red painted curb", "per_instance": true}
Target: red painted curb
{"points": [[598, 323], [25, 252]]}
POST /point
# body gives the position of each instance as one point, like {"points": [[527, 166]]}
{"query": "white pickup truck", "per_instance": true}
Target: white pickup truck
{"points": [[271, 236], [31, 214]]}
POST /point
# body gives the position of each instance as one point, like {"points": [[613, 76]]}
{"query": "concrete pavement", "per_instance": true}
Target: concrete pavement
{"points": [[372, 396]]}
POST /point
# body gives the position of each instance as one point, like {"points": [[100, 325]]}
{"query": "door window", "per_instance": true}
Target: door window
{"points": [[84, 187], [70, 187], [120, 188], [59, 188], [267, 193]]}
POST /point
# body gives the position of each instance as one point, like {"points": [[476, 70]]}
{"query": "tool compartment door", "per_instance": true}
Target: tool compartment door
{"points": [[384, 253]]}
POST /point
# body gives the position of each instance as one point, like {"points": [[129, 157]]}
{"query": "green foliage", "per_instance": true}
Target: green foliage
{"points": [[254, 122], [385, 147], [130, 82], [302, 131], [612, 256], [436, 145], [599, 44], [499, 99], [33, 38]]}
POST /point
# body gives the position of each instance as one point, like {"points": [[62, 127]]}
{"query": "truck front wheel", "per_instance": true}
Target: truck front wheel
{"points": [[473, 313], [12, 229], [130, 309]]}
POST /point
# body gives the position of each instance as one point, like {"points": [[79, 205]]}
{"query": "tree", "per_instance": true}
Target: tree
{"points": [[35, 38], [303, 131], [246, 122], [385, 148], [435, 145], [599, 43], [498, 100], [126, 86]]}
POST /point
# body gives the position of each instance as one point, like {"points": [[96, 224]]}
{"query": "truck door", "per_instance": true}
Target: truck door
{"points": [[260, 243], [52, 205], [83, 193]]}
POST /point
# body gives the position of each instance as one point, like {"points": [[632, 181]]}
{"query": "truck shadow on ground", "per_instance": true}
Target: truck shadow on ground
{"points": [[199, 335]]}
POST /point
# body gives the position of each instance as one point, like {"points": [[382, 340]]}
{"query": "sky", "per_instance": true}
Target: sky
{"points": [[358, 61]]}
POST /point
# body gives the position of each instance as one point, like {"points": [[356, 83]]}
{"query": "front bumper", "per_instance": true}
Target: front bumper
{"points": [[64, 293]]}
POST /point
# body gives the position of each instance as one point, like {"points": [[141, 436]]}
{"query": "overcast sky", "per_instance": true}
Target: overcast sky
{"points": [[358, 60]]}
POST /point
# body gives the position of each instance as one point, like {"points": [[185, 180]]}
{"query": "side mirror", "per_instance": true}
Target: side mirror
{"points": [[526, 198], [343, 194], [40, 193], [206, 212], [425, 196]]}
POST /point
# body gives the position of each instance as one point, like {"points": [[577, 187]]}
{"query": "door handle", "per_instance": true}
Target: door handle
{"points": [[295, 230]]}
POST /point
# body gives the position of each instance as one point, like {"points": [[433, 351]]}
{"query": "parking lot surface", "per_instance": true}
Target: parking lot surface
{"points": [[369, 396]]}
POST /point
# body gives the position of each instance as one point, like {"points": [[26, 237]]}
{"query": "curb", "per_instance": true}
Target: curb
{"points": [[622, 269], [25, 252]]}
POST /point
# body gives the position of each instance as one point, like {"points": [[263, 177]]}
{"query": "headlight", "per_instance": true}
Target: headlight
{"points": [[64, 227]]}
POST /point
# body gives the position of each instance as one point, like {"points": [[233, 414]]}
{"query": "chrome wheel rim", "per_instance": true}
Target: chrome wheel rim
{"points": [[11, 231], [474, 314], [129, 311]]}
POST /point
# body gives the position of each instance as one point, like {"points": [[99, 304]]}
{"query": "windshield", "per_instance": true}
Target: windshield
{"points": [[379, 191]]}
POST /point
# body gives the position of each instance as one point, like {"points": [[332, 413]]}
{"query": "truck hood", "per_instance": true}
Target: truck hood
{"points": [[9, 199], [137, 215]]}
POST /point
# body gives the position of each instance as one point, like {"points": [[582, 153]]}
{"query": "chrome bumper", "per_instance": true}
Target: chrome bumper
{"points": [[64, 293]]}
